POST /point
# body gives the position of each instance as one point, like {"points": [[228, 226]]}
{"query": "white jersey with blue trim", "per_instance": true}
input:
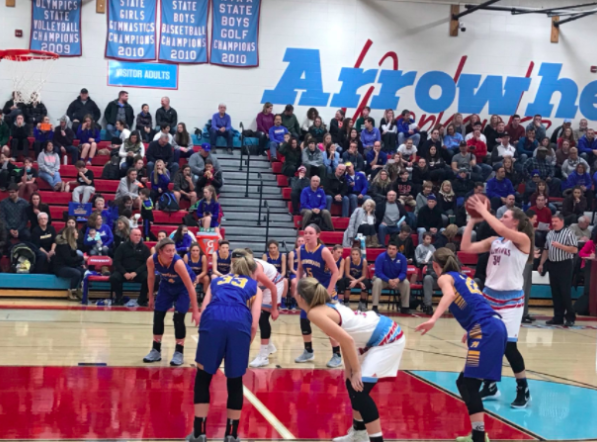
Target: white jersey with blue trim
{"points": [[270, 271], [505, 267], [368, 329]]}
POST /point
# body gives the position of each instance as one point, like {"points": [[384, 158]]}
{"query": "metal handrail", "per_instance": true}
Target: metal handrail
{"points": [[242, 142], [266, 223], [260, 189]]}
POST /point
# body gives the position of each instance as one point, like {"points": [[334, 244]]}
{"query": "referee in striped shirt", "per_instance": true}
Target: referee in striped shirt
{"points": [[561, 246]]}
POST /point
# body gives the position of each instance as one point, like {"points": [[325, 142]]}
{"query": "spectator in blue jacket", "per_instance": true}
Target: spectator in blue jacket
{"points": [[182, 239], [499, 188], [313, 203], [407, 129], [587, 146], [376, 159], [357, 186], [88, 135], [390, 273], [42, 136], [527, 145], [160, 180], [98, 236], [221, 126], [370, 134], [581, 178], [208, 210], [276, 136]]}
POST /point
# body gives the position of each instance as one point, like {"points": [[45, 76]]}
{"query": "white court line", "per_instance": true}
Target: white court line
{"points": [[268, 415]]}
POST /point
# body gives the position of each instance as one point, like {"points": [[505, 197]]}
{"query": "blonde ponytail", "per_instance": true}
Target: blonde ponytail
{"points": [[243, 263], [313, 292], [446, 259]]}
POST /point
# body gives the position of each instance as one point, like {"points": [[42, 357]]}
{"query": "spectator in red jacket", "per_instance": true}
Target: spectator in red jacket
{"points": [[476, 144]]}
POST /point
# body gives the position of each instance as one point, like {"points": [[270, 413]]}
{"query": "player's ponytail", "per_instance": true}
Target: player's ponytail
{"points": [[446, 259], [525, 226], [243, 263], [314, 293]]}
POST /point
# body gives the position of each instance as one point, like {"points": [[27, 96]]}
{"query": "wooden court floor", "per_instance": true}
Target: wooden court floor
{"points": [[55, 360]]}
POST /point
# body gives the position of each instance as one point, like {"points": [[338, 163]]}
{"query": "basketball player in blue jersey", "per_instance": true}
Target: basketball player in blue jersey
{"points": [[198, 264], [176, 290], [486, 336], [229, 321], [278, 260], [380, 342], [221, 260], [316, 261], [293, 270], [355, 275]]}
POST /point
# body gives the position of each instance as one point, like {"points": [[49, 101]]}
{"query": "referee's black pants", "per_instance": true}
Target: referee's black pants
{"points": [[560, 281]]}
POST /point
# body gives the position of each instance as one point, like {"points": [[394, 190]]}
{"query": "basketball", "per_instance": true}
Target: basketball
{"points": [[472, 212]]}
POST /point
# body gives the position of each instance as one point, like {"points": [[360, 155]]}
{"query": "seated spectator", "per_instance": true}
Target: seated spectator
{"points": [[407, 129], [353, 137], [313, 204], [587, 146], [538, 126], [308, 121], [69, 262], [360, 123], [119, 109], [447, 236], [164, 129], [511, 173], [336, 190], [357, 186], [82, 106], [144, 124], [545, 169], [502, 150], [490, 131], [221, 126], [331, 154], [404, 242], [395, 166], [527, 145], [48, 163], [509, 204], [376, 159], [276, 136], [129, 186], [390, 273], [355, 274], [139, 166], [362, 221], [405, 189], [424, 251], [4, 132], [318, 130], [370, 134], [581, 229], [34, 208], [84, 182], [438, 170], [421, 200], [380, 186], [182, 142], [551, 153], [197, 260], [583, 126], [129, 149], [88, 135], [566, 135], [572, 162], [122, 231], [389, 131], [574, 205], [446, 201], [499, 188], [468, 161], [353, 156], [336, 125], [8, 172], [208, 210], [297, 186], [290, 122], [462, 185], [476, 124], [161, 150], [265, 120], [476, 145], [209, 177], [458, 122], [26, 179], [166, 114], [98, 236], [344, 134], [197, 160], [13, 213], [292, 156], [408, 151], [183, 239], [538, 187], [313, 160], [129, 265], [436, 141], [562, 155], [43, 236], [420, 173], [123, 132], [42, 134], [160, 180], [429, 218], [452, 139], [388, 214], [162, 234], [64, 138], [36, 110], [19, 144], [515, 129], [111, 170], [579, 178], [183, 185]]}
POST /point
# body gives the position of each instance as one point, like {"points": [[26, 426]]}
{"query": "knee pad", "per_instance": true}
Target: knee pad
{"points": [[235, 393], [514, 357], [265, 328], [474, 403], [158, 323], [305, 326], [180, 330], [201, 391], [362, 402]]}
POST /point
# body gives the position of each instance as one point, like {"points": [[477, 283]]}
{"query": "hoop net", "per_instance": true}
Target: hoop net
{"points": [[29, 70]]}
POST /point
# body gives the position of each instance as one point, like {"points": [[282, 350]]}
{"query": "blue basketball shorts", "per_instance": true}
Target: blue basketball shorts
{"points": [[175, 296], [486, 347]]}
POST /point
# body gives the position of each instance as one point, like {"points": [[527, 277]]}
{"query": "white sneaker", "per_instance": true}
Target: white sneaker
{"points": [[259, 361], [353, 436], [272, 349]]}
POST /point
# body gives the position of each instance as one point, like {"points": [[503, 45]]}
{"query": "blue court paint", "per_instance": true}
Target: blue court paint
{"points": [[557, 411]]}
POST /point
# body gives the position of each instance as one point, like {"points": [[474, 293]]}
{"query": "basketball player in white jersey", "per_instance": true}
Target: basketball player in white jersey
{"points": [[379, 341], [509, 252], [274, 288]]}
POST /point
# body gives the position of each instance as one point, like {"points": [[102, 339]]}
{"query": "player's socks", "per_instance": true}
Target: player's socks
{"points": [[358, 425], [478, 431], [309, 347], [157, 346], [336, 350], [377, 437], [264, 350], [179, 348], [199, 426], [232, 428]]}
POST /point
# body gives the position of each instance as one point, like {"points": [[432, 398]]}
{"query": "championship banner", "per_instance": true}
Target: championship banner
{"points": [[131, 30], [56, 27], [208, 241], [183, 31], [235, 33]]}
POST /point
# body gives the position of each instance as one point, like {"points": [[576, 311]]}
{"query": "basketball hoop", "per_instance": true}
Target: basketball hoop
{"points": [[29, 70]]}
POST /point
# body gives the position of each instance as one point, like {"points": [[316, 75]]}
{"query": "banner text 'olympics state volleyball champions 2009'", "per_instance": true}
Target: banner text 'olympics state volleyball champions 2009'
{"points": [[471, 92]]}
